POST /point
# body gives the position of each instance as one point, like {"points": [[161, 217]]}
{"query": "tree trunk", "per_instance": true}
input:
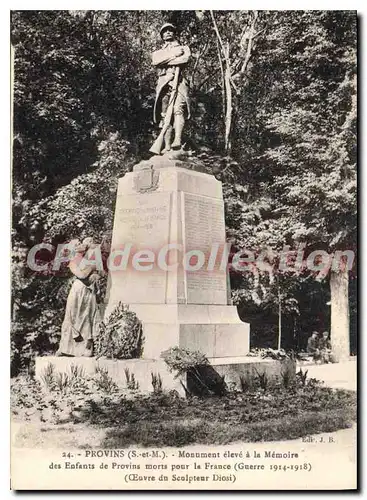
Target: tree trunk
{"points": [[222, 80], [229, 108], [339, 315], [227, 85], [279, 319]]}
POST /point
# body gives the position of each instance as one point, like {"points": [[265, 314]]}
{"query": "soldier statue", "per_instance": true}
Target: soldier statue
{"points": [[172, 95]]}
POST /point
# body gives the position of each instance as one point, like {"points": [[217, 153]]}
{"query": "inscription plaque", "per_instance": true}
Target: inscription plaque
{"points": [[142, 221], [204, 227]]}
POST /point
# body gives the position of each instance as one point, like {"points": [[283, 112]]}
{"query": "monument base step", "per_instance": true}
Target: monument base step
{"points": [[233, 369], [142, 370], [250, 367], [213, 340], [214, 330]]}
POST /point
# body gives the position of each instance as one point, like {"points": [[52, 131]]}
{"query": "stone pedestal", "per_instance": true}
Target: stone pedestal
{"points": [[180, 292], [234, 370]]}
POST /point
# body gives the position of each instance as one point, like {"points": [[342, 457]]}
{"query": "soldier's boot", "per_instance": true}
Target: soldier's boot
{"points": [[168, 139], [179, 123]]}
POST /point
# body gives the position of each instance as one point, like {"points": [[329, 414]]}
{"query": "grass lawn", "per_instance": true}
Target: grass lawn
{"points": [[122, 419]]}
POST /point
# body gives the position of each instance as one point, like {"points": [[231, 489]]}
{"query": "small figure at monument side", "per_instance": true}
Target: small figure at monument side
{"points": [[172, 93], [82, 315]]}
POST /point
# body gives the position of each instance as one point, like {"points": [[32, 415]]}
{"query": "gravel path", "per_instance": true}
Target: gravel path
{"points": [[336, 375]]}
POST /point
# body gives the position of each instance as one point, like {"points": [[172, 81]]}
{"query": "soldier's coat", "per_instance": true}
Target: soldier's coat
{"points": [[166, 74]]}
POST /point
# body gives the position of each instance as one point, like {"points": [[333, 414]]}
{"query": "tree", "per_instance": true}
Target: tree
{"points": [[234, 54], [66, 148], [273, 91], [307, 164]]}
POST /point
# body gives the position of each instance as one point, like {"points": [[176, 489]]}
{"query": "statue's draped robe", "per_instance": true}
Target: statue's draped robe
{"points": [[82, 317]]}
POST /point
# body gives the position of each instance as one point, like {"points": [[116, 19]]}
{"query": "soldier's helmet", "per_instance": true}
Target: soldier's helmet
{"points": [[167, 26]]}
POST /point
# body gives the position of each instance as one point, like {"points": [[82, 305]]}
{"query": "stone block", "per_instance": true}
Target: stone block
{"points": [[249, 368]]}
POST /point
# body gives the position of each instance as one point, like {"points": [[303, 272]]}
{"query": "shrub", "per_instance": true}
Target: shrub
{"points": [[287, 376], [157, 383], [120, 336], [277, 354], [62, 381], [103, 381], [33, 337], [77, 373], [131, 383], [244, 383], [202, 379], [26, 396], [302, 376], [263, 380], [181, 360], [160, 419], [48, 376]]}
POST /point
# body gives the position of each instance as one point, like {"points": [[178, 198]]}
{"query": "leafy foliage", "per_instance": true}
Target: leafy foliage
{"points": [[53, 380], [279, 355], [83, 98], [248, 416], [157, 383], [181, 360], [131, 382], [302, 376], [263, 380], [198, 378], [104, 381]]}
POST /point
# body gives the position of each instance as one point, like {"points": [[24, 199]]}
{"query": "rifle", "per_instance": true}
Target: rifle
{"points": [[158, 143]]}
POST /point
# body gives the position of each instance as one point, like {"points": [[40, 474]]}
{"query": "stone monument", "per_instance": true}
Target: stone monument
{"points": [[171, 221], [169, 214], [169, 256]]}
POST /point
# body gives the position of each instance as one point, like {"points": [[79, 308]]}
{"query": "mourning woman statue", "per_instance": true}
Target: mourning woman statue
{"points": [[82, 315]]}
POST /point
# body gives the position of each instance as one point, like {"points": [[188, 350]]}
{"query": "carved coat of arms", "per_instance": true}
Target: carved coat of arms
{"points": [[146, 180]]}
